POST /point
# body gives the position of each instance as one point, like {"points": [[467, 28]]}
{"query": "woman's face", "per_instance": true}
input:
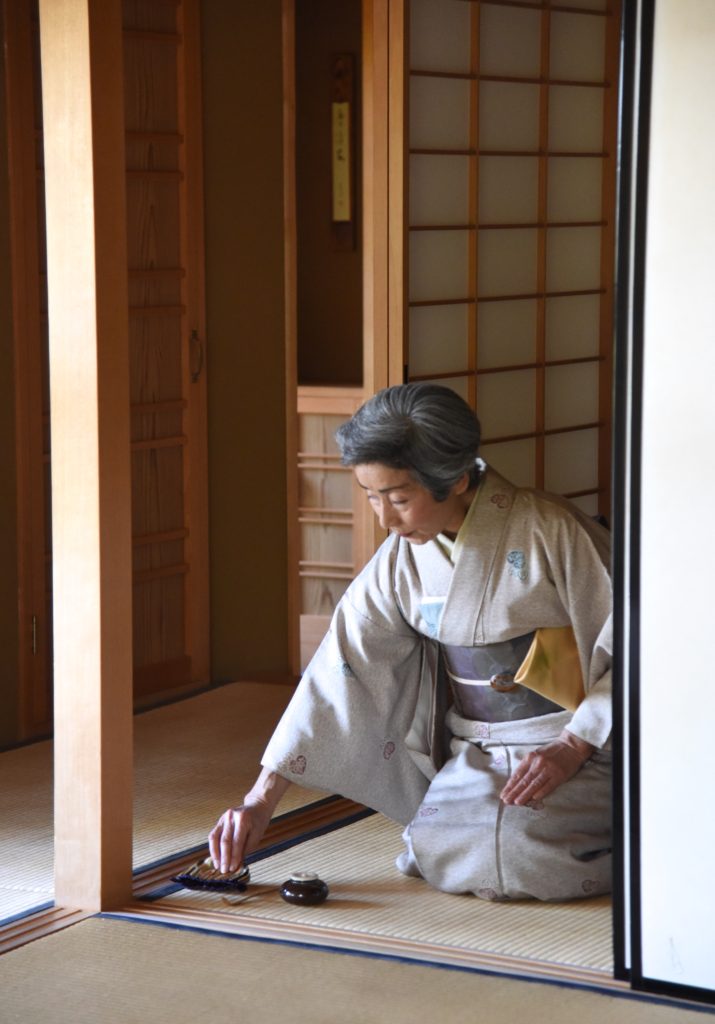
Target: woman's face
{"points": [[405, 507]]}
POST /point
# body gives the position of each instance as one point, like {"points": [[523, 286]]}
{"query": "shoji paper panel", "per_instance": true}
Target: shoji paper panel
{"points": [[439, 113], [438, 265], [508, 116], [506, 331], [439, 190], [506, 402], [509, 41], [507, 262], [576, 47], [515, 459], [572, 323], [508, 189], [439, 35], [438, 339]]}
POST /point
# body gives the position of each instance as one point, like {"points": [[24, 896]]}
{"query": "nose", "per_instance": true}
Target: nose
{"points": [[386, 515]]}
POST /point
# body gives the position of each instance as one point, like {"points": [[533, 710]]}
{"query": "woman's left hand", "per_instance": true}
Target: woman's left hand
{"points": [[545, 769]]}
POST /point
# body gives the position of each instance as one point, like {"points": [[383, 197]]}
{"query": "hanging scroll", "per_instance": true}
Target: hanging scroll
{"points": [[342, 156]]}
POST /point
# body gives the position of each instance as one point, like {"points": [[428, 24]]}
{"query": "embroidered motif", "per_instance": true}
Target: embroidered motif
{"points": [[536, 805], [388, 750], [500, 500], [431, 609], [499, 761], [517, 565], [298, 765], [481, 729], [427, 812], [488, 894]]}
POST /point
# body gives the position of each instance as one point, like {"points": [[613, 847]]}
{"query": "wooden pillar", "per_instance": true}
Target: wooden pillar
{"points": [[375, 78], [375, 192], [81, 42]]}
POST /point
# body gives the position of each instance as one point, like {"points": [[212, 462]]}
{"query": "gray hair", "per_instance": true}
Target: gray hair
{"points": [[424, 428]]}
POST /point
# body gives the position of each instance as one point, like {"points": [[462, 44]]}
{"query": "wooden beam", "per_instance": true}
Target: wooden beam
{"points": [[82, 91]]}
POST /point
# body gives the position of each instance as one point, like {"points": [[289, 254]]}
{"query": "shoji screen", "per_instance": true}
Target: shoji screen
{"points": [[510, 116]]}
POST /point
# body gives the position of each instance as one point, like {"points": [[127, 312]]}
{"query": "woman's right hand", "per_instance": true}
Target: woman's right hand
{"points": [[237, 832]]}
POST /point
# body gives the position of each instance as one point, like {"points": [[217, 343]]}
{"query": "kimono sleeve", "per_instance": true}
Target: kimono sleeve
{"points": [[582, 578], [344, 730]]}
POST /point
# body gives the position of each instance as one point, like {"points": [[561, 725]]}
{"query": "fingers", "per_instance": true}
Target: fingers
{"points": [[227, 840], [540, 773], [532, 780]]}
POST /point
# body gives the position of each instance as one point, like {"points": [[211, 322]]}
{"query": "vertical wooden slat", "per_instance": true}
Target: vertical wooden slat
{"points": [[35, 710], [195, 355], [375, 48], [473, 309], [542, 254], [608, 242], [87, 277], [399, 197], [290, 243], [376, 183]]}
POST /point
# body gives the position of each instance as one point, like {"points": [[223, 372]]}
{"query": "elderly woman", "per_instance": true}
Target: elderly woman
{"points": [[463, 688]]}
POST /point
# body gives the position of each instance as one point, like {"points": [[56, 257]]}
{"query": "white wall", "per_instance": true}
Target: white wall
{"points": [[678, 523]]}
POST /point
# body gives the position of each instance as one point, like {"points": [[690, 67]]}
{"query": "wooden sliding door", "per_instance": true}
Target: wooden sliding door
{"points": [[167, 350], [502, 225], [167, 344]]}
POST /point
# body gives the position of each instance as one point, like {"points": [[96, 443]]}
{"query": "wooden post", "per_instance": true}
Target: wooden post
{"points": [[375, 50], [81, 42], [375, 192]]}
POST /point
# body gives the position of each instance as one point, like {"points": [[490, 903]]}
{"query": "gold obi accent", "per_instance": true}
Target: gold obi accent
{"points": [[552, 667]]}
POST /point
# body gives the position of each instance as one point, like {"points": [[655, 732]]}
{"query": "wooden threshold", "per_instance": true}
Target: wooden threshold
{"points": [[288, 826], [231, 923], [36, 926]]}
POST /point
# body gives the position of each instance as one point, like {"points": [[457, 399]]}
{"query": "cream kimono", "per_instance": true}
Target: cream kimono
{"points": [[378, 716]]}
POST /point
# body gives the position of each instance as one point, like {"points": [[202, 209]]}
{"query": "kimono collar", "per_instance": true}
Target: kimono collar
{"points": [[475, 551]]}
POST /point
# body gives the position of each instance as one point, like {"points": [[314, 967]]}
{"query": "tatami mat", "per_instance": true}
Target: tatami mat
{"points": [[105, 971], [192, 759], [370, 897]]}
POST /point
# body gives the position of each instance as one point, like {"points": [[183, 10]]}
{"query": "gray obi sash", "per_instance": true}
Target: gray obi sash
{"points": [[482, 682]]}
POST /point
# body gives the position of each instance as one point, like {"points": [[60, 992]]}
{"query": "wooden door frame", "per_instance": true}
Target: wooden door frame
{"points": [[382, 32]]}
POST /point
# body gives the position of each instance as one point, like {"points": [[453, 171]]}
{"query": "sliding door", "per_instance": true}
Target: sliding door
{"points": [[167, 359], [664, 613], [167, 340], [503, 283]]}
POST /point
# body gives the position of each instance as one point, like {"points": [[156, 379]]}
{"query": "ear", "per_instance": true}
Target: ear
{"points": [[462, 485]]}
